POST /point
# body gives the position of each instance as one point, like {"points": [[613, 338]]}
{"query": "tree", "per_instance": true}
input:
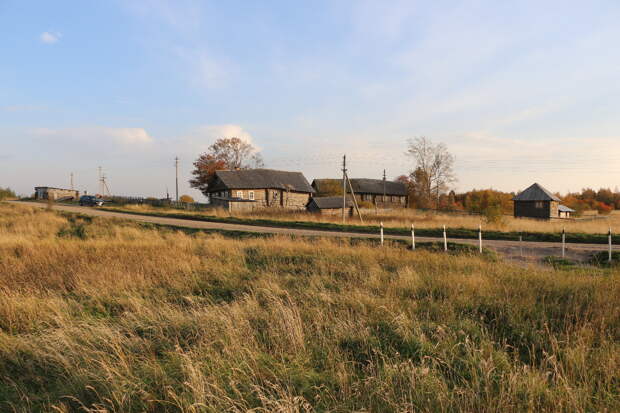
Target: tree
{"points": [[434, 166], [187, 199], [225, 153], [7, 193]]}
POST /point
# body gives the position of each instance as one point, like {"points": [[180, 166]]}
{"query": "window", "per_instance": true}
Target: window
{"points": [[240, 194], [251, 195], [539, 205]]}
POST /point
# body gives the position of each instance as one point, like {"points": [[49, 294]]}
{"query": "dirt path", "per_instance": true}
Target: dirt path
{"points": [[513, 250]]}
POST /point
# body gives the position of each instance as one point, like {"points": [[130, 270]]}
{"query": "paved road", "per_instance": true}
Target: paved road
{"points": [[524, 251]]}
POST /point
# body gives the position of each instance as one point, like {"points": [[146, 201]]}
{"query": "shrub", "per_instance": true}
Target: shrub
{"points": [[187, 199], [7, 193]]}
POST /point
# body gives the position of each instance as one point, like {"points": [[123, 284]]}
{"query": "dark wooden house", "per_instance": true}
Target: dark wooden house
{"points": [[330, 205], [378, 192], [261, 188], [538, 202]]}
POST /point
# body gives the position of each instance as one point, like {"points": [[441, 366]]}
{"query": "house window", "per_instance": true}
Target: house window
{"points": [[240, 194], [539, 205], [251, 195]]}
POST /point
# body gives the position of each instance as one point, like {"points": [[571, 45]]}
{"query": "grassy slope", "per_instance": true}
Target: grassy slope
{"points": [[464, 233], [126, 318]]}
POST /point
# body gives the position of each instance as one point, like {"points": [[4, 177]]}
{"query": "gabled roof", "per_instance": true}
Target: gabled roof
{"points": [[536, 193], [564, 208], [261, 179], [330, 202], [366, 186]]}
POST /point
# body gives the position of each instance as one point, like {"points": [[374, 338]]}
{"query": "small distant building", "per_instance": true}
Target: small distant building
{"points": [[259, 188], [564, 211], [55, 194], [538, 202], [380, 193], [330, 205]]}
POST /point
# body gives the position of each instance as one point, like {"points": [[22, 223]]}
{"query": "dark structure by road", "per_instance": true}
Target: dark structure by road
{"points": [[538, 202]]}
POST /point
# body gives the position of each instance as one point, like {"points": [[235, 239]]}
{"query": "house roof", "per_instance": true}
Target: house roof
{"points": [[366, 186], [564, 208], [261, 179], [51, 187], [330, 202], [536, 193]]}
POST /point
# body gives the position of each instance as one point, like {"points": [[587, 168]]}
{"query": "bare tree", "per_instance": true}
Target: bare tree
{"points": [[434, 163]]}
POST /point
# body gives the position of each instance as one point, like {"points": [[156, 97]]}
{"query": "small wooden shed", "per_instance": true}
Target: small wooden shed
{"points": [[329, 205], [538, 202]]}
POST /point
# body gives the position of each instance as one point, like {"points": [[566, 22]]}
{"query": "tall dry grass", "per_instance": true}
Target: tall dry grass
{"points": [[403, 218], [99, 315]]}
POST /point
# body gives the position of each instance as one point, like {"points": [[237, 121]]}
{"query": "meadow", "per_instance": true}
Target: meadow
{"points": [[104, 315]]}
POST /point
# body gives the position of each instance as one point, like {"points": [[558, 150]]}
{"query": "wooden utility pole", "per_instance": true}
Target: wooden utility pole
{"points": [[344, 187], [176, 167], [359, 213], [383, 199], [72, 181]]}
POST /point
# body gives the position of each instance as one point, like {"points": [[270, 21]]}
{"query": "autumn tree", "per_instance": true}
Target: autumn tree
{"points": [[225, 153], [434, 167], [187, 199]]}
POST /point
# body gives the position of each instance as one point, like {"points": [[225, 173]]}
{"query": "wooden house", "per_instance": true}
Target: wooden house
{"points": [[538, 202], [378, 192], [55, 194], [260, 188]]}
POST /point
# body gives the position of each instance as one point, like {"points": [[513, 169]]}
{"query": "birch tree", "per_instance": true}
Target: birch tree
{"points": [[434, 163]]}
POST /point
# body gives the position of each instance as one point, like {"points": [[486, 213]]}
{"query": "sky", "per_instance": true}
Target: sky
{"points": [[520, 92]]}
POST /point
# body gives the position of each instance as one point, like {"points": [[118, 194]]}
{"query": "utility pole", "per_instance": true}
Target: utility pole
{"points": [[105, 187], [344, 186], [176, 166], [384, 189], [72, 181]]}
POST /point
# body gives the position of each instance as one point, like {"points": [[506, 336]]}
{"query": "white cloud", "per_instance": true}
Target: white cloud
{"points": [[98, 137], [213, 132], [50, 37], [129, 136]]}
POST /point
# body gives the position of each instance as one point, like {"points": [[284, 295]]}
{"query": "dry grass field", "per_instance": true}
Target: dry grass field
{"points": [[403, 218], [110, 316]]}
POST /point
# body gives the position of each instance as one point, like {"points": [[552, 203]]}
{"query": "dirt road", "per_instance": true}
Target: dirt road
{"points": [[513, 250]]}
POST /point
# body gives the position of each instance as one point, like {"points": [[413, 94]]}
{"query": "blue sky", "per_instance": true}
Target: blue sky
{"points": [[519, 91]]}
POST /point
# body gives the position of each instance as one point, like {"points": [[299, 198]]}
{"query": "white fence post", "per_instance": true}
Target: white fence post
{"points": [[382, 234], [412, 237], [480, 237], [563, 242], [609, 242], [445, 239]]}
